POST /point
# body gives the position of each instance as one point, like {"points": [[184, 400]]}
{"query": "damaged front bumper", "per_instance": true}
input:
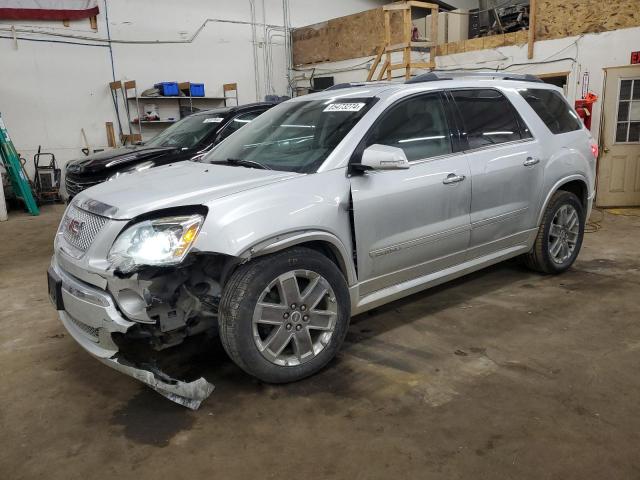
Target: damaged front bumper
{"points": [[91, 317]]}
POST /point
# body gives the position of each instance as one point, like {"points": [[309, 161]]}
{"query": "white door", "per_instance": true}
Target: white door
{"points": [[619, 167]]}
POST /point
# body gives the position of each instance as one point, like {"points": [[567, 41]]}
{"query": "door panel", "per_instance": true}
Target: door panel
{"points": [[409, 223], [619, 162], [504, 195], [506, 170], [412, 222]]}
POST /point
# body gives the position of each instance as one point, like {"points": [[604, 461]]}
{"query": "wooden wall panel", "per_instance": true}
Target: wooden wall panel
{"points": [[310, 44], [360, 34], [343, 38], [565, 18]]}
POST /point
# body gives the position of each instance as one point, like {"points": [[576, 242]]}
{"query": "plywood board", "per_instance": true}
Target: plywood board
{"points": [[311, 44], [360, 34], [564, 18], [353, 36]]}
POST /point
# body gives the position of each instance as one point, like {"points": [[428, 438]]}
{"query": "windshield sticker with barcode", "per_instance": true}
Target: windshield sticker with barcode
{"points": [[344, 107], [213, 120]]}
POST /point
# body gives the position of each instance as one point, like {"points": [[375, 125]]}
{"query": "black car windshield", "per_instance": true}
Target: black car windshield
{"points": [[293, 136], [188, 132]]}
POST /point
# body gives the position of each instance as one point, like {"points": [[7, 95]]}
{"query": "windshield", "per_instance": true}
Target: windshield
{"points": [[188, 132], [294, 136]]}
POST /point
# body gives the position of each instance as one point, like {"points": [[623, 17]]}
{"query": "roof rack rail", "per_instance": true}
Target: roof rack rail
{"points": [[453, 74], [339, 86], [427, 77]]}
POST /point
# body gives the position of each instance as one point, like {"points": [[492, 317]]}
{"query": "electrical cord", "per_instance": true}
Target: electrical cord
{"points": [[620, 214], [593, 226], [191, 39], [55, 41]]}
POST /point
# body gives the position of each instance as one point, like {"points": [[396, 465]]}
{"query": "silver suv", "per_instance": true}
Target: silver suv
{"points": [[324, 207]]}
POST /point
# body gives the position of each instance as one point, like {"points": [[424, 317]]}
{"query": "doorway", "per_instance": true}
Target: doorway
{"points": [[559, 79], [619, 163]]}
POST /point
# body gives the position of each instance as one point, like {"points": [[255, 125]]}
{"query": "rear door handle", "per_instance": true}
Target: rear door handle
{"points": [[453, 178], [530, 161]]}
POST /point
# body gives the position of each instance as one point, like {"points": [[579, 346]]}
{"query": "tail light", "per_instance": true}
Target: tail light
{"points": [[594, 150]]}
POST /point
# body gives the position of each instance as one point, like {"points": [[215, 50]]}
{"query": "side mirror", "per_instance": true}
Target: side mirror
{"points": [[383, 157]]}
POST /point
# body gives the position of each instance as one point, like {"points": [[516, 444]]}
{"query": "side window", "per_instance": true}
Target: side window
{"points": [[488, 117], [236, 124], [417, 125], [552, 109]]}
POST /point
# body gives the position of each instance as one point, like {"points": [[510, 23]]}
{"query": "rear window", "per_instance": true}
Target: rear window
{"points": [[488, 117], [552, 109]]}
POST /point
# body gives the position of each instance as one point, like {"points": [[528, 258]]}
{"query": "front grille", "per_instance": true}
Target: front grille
{"points": [[91, 332], [76, 185], [79, 227]]}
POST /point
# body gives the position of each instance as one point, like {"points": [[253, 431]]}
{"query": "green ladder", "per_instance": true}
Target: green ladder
{"points": [[11, 161]]}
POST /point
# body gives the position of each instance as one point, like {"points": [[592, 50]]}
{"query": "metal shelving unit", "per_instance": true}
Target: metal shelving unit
{"points": [[184, 101]]}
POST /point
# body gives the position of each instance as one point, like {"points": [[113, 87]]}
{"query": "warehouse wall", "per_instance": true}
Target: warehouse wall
{"points": [[50, 91], [578, 54]]}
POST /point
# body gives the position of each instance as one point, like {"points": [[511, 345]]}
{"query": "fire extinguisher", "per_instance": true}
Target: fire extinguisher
{"points": [[584, 108]]}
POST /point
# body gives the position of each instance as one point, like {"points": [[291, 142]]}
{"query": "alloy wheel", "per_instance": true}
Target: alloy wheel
{"points": [[295, 318], [563, 233]]}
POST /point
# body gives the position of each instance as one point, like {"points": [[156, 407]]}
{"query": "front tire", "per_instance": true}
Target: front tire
{"points": [[559, 236], [284, 316]]}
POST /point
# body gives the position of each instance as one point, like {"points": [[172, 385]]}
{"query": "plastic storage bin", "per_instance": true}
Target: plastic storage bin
{"points": [[168, 89], [196, 89]]}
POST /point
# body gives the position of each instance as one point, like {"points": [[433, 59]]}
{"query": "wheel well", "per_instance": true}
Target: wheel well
{"points": [[578, 188], [329, 251]]}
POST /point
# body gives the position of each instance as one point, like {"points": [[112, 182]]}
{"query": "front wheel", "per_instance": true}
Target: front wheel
{"points": [[284, 316], [559, 236]]}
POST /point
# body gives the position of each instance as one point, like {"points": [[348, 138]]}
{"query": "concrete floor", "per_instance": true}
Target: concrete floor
{"points": [[503, 374]]}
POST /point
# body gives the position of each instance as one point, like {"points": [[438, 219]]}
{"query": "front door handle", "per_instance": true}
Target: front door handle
{"points": [[530, 161], [453, 178]]}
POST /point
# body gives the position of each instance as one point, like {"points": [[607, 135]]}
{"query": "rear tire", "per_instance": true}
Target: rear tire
{"points": [[559, 236], [284, 316]]}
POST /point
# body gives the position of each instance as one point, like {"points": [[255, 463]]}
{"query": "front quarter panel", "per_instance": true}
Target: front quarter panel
{"points": [[303, 208]]}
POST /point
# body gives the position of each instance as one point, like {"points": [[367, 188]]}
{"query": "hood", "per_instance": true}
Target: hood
{"points": [[175, 185], [115, 159]]}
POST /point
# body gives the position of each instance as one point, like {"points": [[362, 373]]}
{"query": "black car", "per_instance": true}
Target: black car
{"points": [[184, 140]]}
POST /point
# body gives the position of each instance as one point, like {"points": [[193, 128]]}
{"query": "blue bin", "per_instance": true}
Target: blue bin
{"points": [[197, 89], [168, 89]]}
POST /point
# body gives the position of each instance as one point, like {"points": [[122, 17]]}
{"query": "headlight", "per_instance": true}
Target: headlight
{"points": [[160, 242], [137, 168]]}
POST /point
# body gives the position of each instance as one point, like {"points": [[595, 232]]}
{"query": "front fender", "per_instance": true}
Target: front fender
{"points": [[292, 239], [306, 208]]}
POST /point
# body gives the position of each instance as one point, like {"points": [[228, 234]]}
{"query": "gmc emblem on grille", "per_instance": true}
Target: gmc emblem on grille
{"points": [[75, 227]]}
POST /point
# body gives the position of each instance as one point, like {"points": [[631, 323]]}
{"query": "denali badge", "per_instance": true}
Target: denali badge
{"points": [[75, 227]]}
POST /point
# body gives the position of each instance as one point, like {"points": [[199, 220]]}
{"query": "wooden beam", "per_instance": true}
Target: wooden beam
{"points": [[408, 30], [65, 23], [434, 35], [387, 40], [111, 136], [372, 70], [93, 21], [117, 85], [422, 65], [431, 6], [396, 6], [385, 66], [401, 46], [532, 28]]}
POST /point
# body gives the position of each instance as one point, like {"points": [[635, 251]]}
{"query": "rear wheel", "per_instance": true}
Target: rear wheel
{"points": [[559, 236], [284, 316]]}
